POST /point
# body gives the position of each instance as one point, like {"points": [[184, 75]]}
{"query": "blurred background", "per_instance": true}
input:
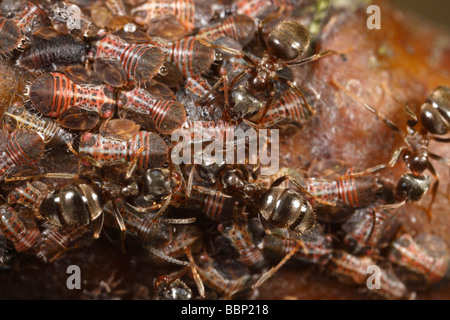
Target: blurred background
{"points": [[436, 11]]}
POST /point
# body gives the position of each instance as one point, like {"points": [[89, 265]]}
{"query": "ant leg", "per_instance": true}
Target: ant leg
{"points": [[390, 206], [274, 269], [198, 281], [297, 91], [274, 15], [180, 174], [434, 189], [122, 227], [133, 163], [439, 158], [372, 228], [213, 88], [261, 39], [394, 159], [226, 87], [154, 207], [232, 51], [302, 188], [444, 161], [164, 281], [312, 58], [240, 76], [438, 139], [252, 124], [411, 115], [268, 104], [98, 226], [388, 122]]}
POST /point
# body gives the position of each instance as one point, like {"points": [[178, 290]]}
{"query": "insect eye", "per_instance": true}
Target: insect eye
{"points": [[404, 186], [218, 56]]}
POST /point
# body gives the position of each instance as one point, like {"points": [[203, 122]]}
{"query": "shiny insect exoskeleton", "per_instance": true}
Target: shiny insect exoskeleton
{"points": [[164, 115], [168, 289], [56, 95], [53, 54], [75, 205], [14, 31], [72, 206], [368, 230], [424, 261], [144, 150], [191, 56], [354, 270], [190, 13], [13, 227], [23, 147], [433, 121], [239, 28], [278, 207], [212, 102], [55, 241], [286, 45], [17, 116], [317, 247], [141, 61]]}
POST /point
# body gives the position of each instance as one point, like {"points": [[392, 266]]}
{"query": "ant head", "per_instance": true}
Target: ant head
{"points": [[210, 171], [435, 113], [159, 182], [233, 178], [244, 104], [174, 290], [412, 188], [288, 41]]}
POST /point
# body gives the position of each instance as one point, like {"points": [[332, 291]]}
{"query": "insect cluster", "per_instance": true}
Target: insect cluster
{"points": [[113, 80]]}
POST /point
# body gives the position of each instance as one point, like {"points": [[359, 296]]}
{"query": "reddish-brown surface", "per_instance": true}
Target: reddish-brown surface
{"points": [[406, 56]]}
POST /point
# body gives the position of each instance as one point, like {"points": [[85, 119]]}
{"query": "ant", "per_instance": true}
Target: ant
{"points": [[286, 44], [433, 119]]}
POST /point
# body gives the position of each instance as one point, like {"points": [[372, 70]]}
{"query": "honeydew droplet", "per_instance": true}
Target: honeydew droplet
{"points": [[130, 27]]}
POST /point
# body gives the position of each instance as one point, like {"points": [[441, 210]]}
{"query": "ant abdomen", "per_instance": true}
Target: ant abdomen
{"points": [[435, 113], [288, 41], [286, 208], [72, 206]]}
